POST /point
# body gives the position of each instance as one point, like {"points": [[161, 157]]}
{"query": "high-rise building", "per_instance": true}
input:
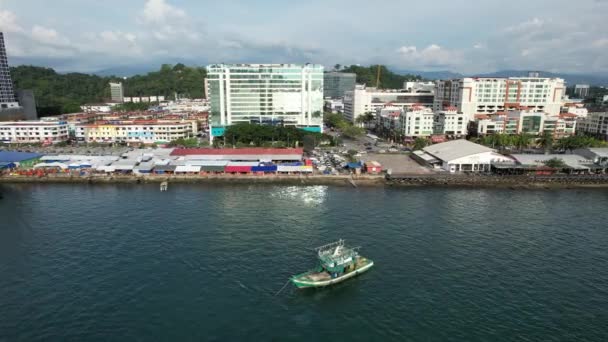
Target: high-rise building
{"points": [[335, 84], [581, 90], [7, 94], [275, 94], [116, 92], [474, 96]]}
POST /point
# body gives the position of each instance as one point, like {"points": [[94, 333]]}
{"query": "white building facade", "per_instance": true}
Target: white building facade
{"points": [[417, 122], [27, 132], [287, 94], [451, 122], [490, 95], [116, 92], [152, 132], [596, 123], [364, 100], [464, 156]]}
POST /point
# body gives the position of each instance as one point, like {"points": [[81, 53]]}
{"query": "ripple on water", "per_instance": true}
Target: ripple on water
{"points": [[203, 263]]}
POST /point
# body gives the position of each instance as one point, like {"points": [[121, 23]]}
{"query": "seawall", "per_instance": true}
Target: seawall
{"points": [[514, 182], [434, 180]]}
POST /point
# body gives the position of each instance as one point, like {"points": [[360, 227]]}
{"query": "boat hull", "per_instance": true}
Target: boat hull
{"points": [[302, 283]]}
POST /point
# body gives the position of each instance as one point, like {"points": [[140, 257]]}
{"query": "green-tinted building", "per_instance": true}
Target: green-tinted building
{"points": [[275, 94], [335, 84]]}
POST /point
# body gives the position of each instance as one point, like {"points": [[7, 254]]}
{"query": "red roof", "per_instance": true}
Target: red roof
{"points": [[481, 116], [235, 151]]}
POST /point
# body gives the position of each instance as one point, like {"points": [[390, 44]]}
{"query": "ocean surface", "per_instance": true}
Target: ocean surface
{"points": [[203, 263]]}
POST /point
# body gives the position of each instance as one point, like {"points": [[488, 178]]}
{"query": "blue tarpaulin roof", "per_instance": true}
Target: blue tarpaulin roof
{"points": [[6, 165], [17, 156], [354, 165]]}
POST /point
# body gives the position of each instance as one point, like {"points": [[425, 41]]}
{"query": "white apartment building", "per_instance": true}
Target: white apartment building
{"points": [[137, 99], [334, 105], [577, 109], [287, 94], [387, 118], [491, 125], [417, 121], [97, 108], [47, 132], [420, 87], [595, 124], [116, 92], [490, 95], [525, 121], [364, 100], [451, 122]]}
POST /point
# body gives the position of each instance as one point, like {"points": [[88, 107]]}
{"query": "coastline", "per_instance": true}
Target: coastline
{"points": [[401, 181]]}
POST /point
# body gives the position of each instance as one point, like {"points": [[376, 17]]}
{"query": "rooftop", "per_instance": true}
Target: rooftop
{"points": [[455, 149], [11, 156], [237, 151]]}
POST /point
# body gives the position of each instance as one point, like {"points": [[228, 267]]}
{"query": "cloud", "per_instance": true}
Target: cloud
{"points": [[48, 36], [168, 31], [8, 22], [432, 56], [160, 12], [526, 25]]}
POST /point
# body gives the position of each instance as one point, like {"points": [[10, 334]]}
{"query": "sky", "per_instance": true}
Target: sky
{"points": [[467, 36]]}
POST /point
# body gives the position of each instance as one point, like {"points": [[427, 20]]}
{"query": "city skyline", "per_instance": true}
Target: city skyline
{"points": [[438, 35]]}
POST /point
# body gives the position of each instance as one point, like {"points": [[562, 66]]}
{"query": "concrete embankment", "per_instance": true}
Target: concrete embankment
{"points": [[434, 180], [513, 182], [339, 180]]}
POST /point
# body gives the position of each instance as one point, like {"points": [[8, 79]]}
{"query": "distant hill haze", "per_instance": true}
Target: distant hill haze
{"points": [[571, 79]]}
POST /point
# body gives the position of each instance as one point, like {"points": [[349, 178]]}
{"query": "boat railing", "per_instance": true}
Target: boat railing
{"points": [[330, 245]]}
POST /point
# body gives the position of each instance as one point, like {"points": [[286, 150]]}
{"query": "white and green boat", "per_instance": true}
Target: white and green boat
{"points": [[337, 263]]}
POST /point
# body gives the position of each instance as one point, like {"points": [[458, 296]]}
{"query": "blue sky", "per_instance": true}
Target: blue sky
{"points": [[469, 36]]}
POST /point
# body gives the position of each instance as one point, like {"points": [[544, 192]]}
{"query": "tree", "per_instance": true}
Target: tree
{"points": [[420, 143], [351, 131], [521, 140], [555, 163], [388, 79], [337, 67], [546, 141], [64, 93], [132, 106], [333, 119]]}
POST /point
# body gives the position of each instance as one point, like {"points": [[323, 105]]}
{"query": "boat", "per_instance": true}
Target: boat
{"points": [[337, 262]]}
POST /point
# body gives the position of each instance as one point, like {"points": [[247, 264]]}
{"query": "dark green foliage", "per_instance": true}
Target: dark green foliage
{"points": [[130, 106], [420, 143], [338, 121], [181, 142], [64, 93], [388, 79], [263, 135], [555, 163]]}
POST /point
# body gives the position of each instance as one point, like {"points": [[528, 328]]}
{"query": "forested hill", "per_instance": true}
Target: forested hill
{"points": [[388, 79], [64, 93]]}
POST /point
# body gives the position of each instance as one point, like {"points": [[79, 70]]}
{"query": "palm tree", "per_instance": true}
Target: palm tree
{"points": [[546, 141], [521, 141]]}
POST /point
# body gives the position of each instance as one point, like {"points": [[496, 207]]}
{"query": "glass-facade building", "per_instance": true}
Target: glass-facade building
{"points": [[7, 95], [275, 94], [336, 84]]}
